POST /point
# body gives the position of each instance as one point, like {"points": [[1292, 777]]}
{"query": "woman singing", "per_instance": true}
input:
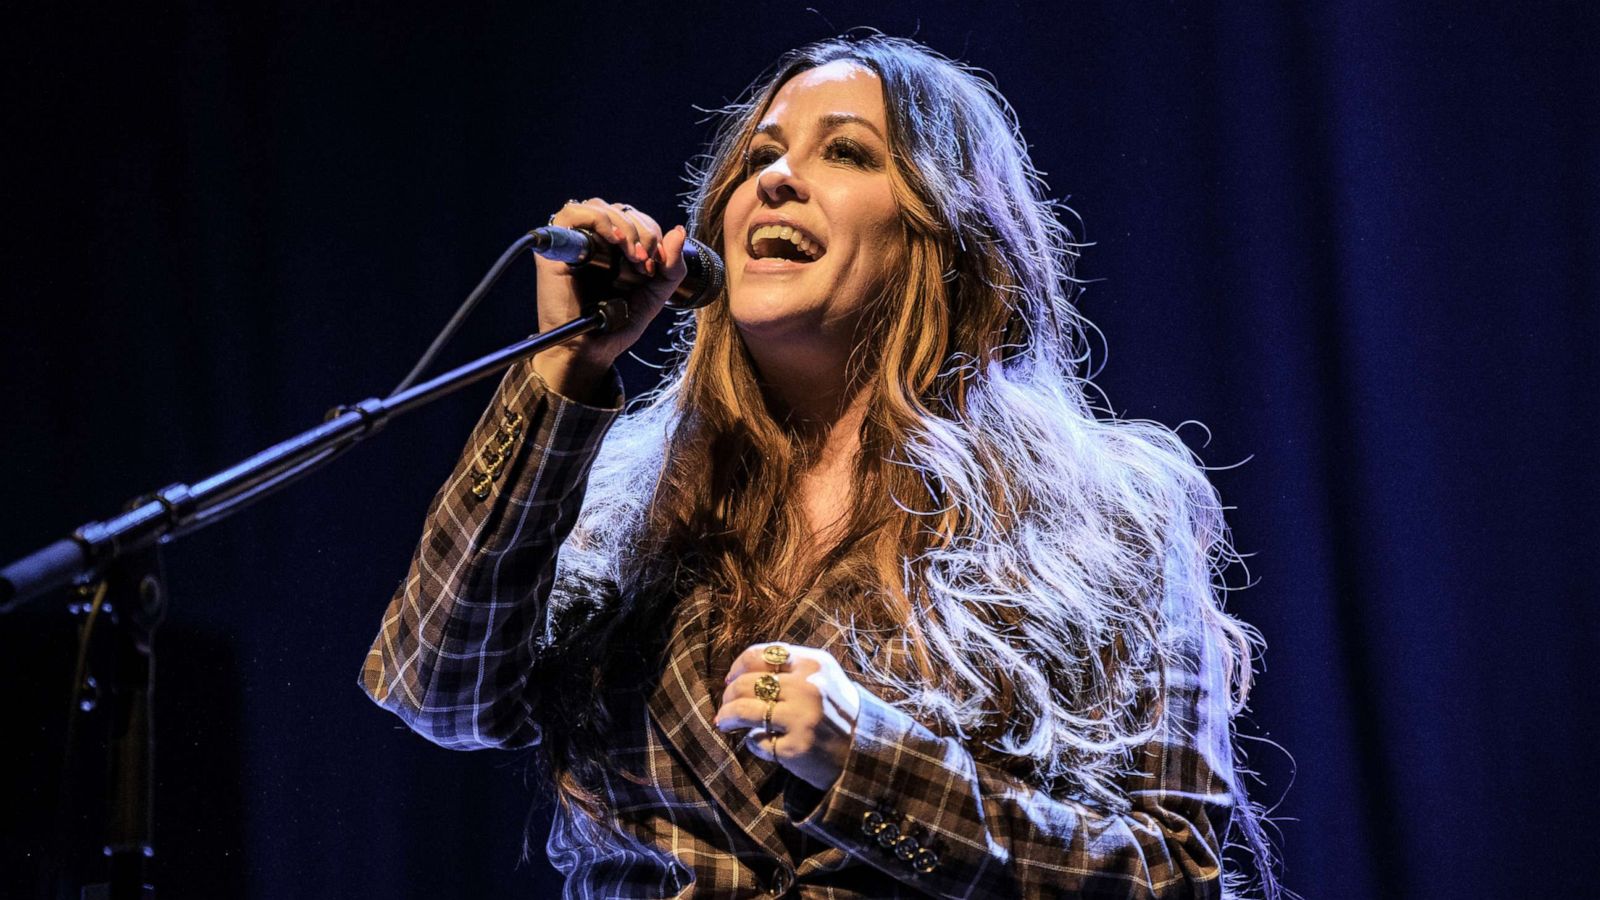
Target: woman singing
{"points": [[867, 600]]}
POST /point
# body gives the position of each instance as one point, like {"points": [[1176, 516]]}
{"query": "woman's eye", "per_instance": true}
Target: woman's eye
{"points": [[851, 152], [760, 158]]}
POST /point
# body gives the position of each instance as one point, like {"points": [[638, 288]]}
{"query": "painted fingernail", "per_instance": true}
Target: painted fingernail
{"points": [[616, 233]]}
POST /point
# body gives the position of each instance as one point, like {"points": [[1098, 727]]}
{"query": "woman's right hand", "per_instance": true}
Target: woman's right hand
{"points": [[575, 369]]}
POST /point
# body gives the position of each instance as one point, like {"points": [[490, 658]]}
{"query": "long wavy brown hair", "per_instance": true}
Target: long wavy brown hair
{"points": [[1042, 562]]}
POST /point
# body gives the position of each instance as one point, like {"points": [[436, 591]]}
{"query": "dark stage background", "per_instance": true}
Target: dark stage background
{"points": [[1358, 241]]}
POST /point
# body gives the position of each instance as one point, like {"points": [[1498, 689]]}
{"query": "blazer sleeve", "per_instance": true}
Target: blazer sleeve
{"points": [[920, 808], [457, 642]]}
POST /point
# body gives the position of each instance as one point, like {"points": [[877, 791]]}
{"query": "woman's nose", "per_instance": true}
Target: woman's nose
{"points": [[778, 183]]}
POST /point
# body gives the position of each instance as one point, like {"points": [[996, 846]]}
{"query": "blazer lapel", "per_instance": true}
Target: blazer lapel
{"points": [[682, 708]]}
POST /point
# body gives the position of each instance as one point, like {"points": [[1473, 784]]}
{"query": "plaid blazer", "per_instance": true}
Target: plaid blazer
{"points": [[912, 815]]}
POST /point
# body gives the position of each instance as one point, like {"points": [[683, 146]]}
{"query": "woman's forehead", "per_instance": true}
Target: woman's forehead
{"points": [[842, 86]]}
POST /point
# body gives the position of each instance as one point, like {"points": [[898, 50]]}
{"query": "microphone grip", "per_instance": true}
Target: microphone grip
{"points": [[580, 248]]}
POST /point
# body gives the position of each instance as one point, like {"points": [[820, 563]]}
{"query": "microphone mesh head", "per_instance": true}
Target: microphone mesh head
{"points": [[705, 279]]}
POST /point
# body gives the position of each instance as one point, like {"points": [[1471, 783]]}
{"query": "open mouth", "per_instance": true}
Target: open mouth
{"points": [[783, 242]]}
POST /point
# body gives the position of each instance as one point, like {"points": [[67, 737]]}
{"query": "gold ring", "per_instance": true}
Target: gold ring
{"points": [[767, 687], [776, 656], [766, 720]]}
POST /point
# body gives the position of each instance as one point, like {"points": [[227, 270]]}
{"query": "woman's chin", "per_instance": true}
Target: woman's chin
{"points": [[771, 318]]}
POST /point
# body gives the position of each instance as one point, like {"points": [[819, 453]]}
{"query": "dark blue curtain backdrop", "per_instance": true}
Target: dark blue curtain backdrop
{"points": [[1357, 241]]}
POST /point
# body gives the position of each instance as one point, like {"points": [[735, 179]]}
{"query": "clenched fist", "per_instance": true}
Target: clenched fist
{"points": [[812, 720]]}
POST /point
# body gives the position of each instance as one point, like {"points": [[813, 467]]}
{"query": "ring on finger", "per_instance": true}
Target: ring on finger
{"points": [[767, 687], [776, 656], [766, 720]]}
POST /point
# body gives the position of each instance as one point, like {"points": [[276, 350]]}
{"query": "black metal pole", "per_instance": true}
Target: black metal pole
{"points": [[115, 684], [180, 508]]}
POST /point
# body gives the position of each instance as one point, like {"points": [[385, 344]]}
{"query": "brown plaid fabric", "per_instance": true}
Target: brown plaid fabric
{"points": [[912, 815]]}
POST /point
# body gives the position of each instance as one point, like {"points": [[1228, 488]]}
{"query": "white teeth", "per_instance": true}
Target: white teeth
{"points": [[785, 233]]}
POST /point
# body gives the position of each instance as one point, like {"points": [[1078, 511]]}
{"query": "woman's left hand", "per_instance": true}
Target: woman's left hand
{"points": [[813, 718]]}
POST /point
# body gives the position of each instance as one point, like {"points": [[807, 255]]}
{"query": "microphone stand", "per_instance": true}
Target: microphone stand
{"points": [[117, 563]]}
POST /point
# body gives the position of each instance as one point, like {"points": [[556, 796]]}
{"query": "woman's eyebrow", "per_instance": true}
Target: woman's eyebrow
{"points": [[829, 122]]}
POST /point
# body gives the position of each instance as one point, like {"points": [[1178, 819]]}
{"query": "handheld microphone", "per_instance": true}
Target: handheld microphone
{"points": [[580, 248]]}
